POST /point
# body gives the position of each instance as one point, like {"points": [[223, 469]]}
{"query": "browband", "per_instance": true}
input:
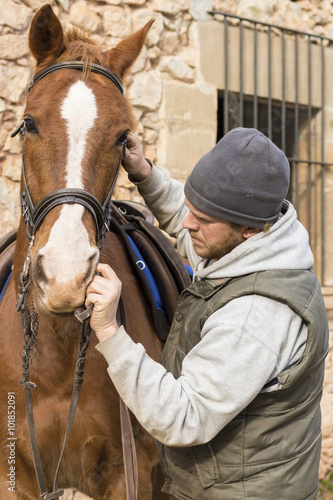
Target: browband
{"points": [[80, 65]]}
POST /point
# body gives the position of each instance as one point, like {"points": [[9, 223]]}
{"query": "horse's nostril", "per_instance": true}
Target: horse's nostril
{"points": [[38, 270], [92, 263]]}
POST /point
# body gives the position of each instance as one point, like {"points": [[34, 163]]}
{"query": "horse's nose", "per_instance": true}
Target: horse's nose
{"points": [[61, 282]]}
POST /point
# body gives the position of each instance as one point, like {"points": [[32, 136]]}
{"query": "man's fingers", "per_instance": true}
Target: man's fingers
{"points": [[106, 271], [104, 287], [131, 140]]}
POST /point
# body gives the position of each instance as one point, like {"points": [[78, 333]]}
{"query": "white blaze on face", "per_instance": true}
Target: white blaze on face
{"points": [[67, 251]]}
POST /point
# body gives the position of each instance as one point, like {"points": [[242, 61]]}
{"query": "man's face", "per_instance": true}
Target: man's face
{"points": [[212, 237]]}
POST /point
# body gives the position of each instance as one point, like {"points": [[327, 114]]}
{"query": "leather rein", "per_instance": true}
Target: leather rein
{"points": [[34, 216]]}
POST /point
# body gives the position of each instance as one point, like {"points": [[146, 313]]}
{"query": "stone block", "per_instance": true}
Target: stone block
{"points": [[13, 15], [9, 205], [12, 146], [199, 9], [84, 17], [117, 22], [12, 167], [177, 68], [13, 47], [150, 135], [135, 3], [183, 148], [188, 128], [34, 4], [171, 7], [64, 4], [14, 81], [146, 90], [169, 43], [189, 103], [260, 10]]}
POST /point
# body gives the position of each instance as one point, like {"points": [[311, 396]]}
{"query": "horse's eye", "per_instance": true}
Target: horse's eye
{"points": [[120, 141], [30, 126]]}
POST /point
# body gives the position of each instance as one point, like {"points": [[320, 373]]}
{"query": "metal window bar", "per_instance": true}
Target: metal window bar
{"points": [[296, 163], [241, 95], [226, 83], [255, 63], [297, 160], [269, 83], [309, 137], [322, 158]]}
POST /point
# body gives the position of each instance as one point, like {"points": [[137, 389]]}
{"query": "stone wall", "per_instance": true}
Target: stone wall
{"points": [[173, 101]]}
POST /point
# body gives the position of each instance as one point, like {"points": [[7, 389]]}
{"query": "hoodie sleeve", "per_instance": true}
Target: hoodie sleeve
{"points": [[220, 376], [165, 197]]}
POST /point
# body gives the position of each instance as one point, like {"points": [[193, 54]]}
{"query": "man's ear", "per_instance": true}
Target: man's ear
{"points": [[250, 231]]}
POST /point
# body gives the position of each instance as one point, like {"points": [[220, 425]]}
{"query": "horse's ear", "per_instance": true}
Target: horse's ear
{"points": [[46, 37], [123, 55]]}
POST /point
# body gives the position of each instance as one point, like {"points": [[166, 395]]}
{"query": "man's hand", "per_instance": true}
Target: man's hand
{"points": [[134, 162], [104, 292]]}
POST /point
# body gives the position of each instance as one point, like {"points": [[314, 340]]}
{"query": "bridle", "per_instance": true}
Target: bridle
{"points": [[34, 215]]}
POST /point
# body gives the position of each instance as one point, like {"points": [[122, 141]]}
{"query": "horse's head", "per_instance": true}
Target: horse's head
{"points": [[75, 126]]}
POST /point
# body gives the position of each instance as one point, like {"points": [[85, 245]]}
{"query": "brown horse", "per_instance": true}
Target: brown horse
{"points": [[75, 125]]}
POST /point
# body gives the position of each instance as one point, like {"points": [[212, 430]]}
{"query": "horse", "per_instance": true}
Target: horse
{"points": [[74, 131]]}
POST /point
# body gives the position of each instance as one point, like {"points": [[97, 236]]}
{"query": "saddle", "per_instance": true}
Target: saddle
{"points": [[159, 268]]}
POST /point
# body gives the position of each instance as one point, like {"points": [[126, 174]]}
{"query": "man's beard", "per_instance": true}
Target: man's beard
{"points": [[219, 249]]}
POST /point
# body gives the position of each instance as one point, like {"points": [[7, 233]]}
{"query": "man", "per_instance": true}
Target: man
{"points": [[234, 403]]}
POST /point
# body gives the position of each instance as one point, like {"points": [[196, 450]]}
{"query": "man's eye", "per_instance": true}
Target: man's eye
{"points": [[121, 139], [30, 126], [205, 221]]}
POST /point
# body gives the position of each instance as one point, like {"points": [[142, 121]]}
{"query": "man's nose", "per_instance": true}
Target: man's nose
{"points": [[190, 223]]}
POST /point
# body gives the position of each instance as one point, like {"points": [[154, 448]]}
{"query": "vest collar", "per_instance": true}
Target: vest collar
{"points": [[207, 288]]}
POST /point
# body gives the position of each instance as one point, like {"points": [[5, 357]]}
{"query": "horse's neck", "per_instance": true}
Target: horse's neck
{"points": [[60, 331]]}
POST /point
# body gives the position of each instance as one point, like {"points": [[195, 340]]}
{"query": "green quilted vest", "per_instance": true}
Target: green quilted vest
{"points": [[271, 449]]}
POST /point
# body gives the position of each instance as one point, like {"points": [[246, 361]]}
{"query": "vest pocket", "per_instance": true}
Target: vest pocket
{"points": [[205, 464]]}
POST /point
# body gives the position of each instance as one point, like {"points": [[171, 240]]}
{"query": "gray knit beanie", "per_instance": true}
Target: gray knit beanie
{"points": [[243, 179]]}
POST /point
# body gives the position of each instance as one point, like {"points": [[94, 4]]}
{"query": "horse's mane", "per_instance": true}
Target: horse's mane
{"points": [[80, 47]]}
